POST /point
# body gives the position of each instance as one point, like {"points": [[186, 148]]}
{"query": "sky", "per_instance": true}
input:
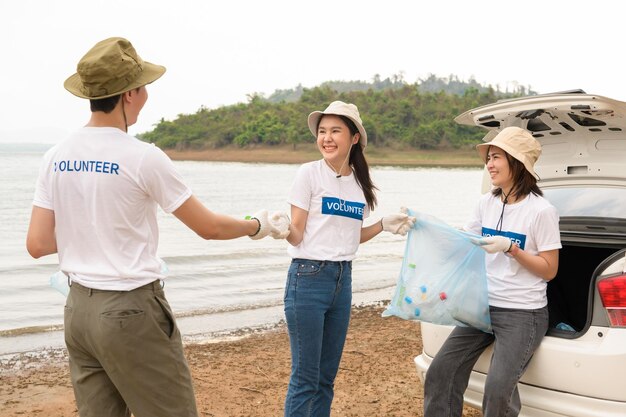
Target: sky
{"points": [[218, 52]]}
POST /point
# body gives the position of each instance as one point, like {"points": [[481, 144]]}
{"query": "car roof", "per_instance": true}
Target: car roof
{"points": [[583, 136]]}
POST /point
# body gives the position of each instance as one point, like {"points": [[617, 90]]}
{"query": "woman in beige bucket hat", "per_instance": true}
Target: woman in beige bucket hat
{"points": [[522, 241], [329, 200], [96, 205]]}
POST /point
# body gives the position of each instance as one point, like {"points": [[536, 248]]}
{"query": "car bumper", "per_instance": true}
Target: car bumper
{"points": [[537, 402]]}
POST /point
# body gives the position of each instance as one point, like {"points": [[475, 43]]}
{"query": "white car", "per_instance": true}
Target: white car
{"points": [[580, 368]]}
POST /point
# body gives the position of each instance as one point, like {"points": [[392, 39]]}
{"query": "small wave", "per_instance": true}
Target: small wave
{"points": [[30, 330], [252, 253], [228, 309], [36, 269], [231, 335]]}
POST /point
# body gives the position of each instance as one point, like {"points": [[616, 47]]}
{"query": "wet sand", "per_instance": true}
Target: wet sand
{"points": [[248, 376]]}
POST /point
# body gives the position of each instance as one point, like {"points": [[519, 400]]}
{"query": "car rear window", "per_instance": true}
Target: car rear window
{"points": [[608, 202]]}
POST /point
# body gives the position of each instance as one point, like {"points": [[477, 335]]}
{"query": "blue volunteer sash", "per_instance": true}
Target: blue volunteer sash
{"points": [[517, 238], [336, 207]]}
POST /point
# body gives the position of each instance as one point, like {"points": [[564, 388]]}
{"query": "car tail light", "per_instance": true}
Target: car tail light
{"points": [[613, 294]]}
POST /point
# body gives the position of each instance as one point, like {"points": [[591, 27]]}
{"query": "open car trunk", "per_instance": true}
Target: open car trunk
{"points": [[590, 246], [571, 292]]}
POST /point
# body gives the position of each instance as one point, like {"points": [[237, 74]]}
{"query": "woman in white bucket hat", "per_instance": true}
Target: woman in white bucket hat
{"points": [[329, 200], [522, 241]]}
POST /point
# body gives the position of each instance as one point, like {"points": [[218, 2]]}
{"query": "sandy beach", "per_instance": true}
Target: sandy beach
{"points": [[248, 376], [286, 154]]}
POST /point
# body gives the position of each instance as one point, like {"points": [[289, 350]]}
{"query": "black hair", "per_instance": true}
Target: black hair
{"points": [[104, 104], [360, 167], [524, 182], [107, 104]]}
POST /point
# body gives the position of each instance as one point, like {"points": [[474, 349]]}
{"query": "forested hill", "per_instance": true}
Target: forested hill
{"points": [[394, 113]]}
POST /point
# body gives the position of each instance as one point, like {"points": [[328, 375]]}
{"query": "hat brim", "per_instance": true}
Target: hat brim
{"points": [[483, 148], [149, 74], [314, 121]]}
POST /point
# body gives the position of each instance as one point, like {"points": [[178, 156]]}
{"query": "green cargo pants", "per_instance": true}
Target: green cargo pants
{"points": [[126, 354]]}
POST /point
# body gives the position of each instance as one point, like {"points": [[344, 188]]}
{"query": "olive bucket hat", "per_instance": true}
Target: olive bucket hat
{"points": [[110, 68], [518, 143], [339, 108]]}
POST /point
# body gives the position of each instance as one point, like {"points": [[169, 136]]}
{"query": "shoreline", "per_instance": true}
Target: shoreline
{"points": [[287, 154], [248, 376], [23, 346]]}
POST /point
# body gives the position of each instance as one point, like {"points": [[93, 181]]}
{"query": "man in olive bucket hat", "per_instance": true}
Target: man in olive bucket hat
{"points": [[95, 204]]}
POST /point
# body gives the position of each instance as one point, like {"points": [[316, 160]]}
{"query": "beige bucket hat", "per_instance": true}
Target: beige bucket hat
{"points": [[339, 108], [110, 68], [518, 143]]}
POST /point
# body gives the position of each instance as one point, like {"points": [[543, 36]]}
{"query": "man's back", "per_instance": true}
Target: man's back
{"points": [[103, 186]]}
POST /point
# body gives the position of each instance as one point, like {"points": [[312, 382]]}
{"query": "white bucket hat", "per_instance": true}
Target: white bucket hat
{"points": [[339, 108], [518, 143]]}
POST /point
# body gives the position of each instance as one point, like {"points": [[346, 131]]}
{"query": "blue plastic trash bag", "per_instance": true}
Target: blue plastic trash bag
{"points": [[443, 278], [59, 282]]}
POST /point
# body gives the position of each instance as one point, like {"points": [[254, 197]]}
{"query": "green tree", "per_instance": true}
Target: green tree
{"points": [[394, 112]]}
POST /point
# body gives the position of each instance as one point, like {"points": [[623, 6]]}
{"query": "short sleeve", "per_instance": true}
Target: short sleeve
{"points": [[43, 197], [475, 224], [300, 194], [161, 181], [545, 228]]}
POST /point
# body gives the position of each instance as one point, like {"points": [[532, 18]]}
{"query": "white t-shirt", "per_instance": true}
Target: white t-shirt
{"points": [[533, 224], [336, 209], [104, 186]]}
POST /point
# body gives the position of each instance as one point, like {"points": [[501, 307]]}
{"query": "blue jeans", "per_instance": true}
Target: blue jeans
{"points": [[318, 296], [516, 334]]}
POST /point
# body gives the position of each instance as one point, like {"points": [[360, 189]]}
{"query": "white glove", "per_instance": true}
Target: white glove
{"points": [[277, 226], [493, 244], [399, 223], [264, 225], [280, 225]]}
